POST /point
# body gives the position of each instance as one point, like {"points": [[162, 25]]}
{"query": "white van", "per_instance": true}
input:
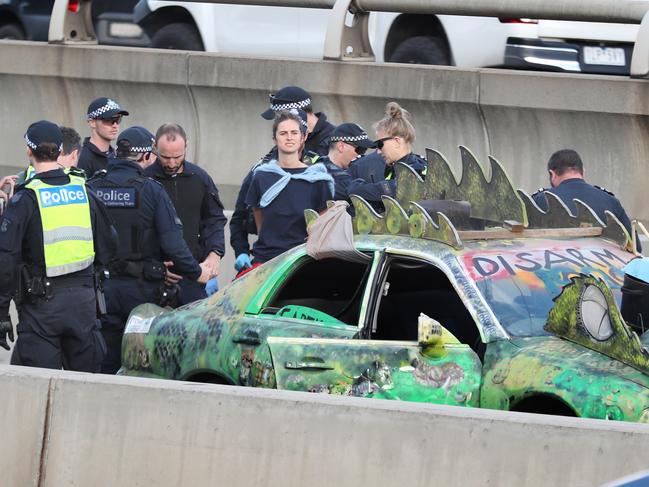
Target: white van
{"points": [[468, 42]]}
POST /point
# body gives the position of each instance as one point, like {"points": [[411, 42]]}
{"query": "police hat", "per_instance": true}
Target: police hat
{"points": [[137, 139], [43, 132], [287, 98], [353, 134], [104, 108]]}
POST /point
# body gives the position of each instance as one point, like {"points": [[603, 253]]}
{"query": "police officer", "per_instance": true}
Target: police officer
{"points": [[150, 233], [52, 235], [317, 144], [566, 171], [197, 202], [373, 175], [348, 142], [104, 117], [318, 128]]}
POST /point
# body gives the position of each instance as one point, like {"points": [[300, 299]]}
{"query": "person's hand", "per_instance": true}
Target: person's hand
{"points": [[242, 262], [8, 180], [212, 286], [205, 274], [170, 277], [213, 263], [6, 331]]}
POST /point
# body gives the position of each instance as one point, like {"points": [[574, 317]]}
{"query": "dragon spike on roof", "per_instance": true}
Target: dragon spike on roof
{"points": [[494, 200], [396, 221], [558, 215]]}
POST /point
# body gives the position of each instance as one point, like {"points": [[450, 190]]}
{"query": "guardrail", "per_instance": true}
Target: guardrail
{"points": [[350, 41]]}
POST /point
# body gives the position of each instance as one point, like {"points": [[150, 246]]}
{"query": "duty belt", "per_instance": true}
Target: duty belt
{"points": [[147, 270]]}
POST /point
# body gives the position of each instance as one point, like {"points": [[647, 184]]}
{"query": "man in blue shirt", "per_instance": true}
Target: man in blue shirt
{"points": [[566, 171]]}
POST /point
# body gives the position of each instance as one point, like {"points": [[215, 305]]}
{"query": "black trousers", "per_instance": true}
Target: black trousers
{"points": [[191, 291], [122, 295], [63, 332]]}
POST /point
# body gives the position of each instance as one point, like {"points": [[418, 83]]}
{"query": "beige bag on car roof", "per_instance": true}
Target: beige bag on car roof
{"points": [[331, 235]]}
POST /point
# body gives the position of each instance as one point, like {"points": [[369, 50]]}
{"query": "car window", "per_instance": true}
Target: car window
{"points": [[331, 286], [411, 287], [520, 283]]}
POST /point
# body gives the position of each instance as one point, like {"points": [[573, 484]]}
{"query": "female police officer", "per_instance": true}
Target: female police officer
{"points": [[52, 235]]}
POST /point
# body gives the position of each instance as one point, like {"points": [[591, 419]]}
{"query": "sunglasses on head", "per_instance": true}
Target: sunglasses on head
{"points": [[112, 121], [381, 142]]}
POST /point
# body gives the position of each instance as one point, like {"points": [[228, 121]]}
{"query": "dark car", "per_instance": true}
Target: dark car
{"points": [[25, 20]]}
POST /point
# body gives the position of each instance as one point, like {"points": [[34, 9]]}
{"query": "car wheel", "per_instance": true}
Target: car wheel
{"points": [[422, 50], [11, 31], [178, 36]]}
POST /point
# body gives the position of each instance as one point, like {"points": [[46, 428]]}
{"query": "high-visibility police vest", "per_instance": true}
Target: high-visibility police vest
{"points": [[67, 229]]}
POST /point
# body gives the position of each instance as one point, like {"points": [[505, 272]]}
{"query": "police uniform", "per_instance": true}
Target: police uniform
{"points": [[196, 199], [372, 178], [52, 235], [355, 136], [598, 199], [91, 158], [150, 233], [291, 97]]}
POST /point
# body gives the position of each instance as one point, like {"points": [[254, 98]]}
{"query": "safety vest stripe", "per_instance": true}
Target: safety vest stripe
{"points": [[63, 269], [66, 233]]}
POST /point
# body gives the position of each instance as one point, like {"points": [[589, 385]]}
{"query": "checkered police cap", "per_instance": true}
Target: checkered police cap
{"points": [[353, 134], [104, 108], [139, 140], [43, 132], [287, 98]]}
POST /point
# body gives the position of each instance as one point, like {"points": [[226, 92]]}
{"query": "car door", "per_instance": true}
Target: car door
{"points": [[379, 363]]}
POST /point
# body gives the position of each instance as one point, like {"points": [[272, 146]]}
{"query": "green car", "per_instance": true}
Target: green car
{"points": [[506, 318]]}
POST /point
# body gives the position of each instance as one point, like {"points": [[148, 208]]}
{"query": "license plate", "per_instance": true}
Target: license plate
{"points": [[606, 56]]}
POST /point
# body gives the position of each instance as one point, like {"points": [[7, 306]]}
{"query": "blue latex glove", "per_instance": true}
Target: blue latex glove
{"points": [[243, 262], [212, 286]]}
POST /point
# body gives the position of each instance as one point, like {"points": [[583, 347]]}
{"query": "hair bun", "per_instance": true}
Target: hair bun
{"points": [[394, 110]]}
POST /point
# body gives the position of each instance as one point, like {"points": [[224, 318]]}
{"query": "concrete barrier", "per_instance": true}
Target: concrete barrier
{"points": [[105, 430], [519, 117]]}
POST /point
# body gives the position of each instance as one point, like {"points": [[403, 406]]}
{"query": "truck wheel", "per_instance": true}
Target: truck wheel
{"points": [[11, 31], [422, 50], [178, 36]]}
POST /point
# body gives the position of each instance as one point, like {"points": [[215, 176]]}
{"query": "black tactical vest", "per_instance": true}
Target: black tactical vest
{"points": [[134, 222]]}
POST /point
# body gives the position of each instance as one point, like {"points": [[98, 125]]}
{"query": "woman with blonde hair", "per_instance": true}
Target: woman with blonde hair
{"points": [[395, 135]]}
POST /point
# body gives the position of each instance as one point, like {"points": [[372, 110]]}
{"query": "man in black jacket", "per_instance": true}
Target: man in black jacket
{"points": [[197, 202], [104, 117]]}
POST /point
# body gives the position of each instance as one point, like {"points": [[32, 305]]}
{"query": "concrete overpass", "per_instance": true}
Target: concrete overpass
{"points": [[519, 117]]}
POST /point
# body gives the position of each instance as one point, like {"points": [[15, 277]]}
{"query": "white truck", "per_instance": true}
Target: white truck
{"points": [[463, 41]]}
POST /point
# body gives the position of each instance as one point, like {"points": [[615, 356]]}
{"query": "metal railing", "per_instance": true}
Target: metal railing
{"points": [[341, 39]]}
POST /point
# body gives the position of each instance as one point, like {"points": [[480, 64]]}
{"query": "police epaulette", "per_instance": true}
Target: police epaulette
{"points": [[603, 189], [100, 174], [75, 171]]}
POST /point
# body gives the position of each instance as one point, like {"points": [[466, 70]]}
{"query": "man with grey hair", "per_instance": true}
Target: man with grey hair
{"points": [[196, 199]]}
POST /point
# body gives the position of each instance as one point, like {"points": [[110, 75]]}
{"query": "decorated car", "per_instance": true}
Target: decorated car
{"points": [[458, 293]]}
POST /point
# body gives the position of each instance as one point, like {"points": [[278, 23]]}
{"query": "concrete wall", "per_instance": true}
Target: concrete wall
{"points": [[519, 117], [66, 428]]}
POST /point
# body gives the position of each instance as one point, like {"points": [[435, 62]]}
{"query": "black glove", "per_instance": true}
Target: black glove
{"points": [[6, 330]]}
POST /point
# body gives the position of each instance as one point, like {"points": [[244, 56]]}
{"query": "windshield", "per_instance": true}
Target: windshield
{"points": [[519, 281]]}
